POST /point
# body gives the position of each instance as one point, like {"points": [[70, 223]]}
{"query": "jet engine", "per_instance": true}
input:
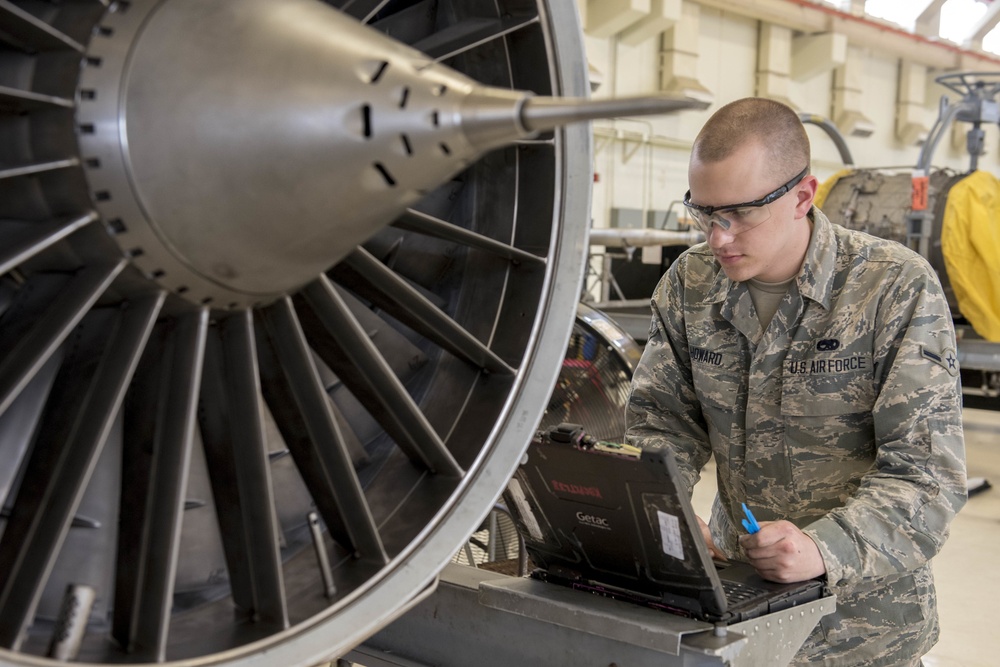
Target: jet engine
{"points": [[284, 288]]}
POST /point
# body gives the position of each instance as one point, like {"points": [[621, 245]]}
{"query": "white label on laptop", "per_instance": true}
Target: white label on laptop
{"points": [[670, 535], [524, 509]]}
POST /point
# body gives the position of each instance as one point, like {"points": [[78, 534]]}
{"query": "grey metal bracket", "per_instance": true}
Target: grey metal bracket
{"points": [[480, 617]]}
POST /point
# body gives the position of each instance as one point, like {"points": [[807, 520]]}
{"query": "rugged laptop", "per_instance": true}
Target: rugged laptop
{"points": [[605, 518]]}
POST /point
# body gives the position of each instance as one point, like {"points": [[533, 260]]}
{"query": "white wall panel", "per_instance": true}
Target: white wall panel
{"points": [[656, 174]]}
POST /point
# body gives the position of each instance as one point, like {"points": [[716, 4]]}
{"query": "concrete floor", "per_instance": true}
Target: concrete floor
{"points": [[965, 586]]}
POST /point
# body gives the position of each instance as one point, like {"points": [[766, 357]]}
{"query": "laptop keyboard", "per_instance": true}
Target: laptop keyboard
{"points": [[737, 592]]}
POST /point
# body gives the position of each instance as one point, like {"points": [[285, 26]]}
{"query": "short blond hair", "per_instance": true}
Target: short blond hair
{"points": [[774, 125]]}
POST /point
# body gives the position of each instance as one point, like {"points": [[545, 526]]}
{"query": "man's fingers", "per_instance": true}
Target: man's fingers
{"points": [[781, 552]]}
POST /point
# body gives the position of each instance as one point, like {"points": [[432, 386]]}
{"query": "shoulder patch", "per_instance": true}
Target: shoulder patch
{"points": [[947, 359]]}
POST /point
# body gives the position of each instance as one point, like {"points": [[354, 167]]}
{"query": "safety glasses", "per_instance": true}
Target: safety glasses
{"points": [[739, 218]]}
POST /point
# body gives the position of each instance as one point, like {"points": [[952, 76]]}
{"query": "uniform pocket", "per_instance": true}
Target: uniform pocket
{"points": [[829, 434], [883, 615], [830, 394]]}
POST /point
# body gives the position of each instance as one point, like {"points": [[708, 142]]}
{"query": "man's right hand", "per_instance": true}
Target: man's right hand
{"points": [[781, 552]]}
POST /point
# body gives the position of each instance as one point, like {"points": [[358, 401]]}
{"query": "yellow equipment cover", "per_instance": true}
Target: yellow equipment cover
{"points": [[824, 188], [970, 242]]}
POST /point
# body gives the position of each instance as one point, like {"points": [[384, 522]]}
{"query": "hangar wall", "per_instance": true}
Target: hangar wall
{"points": [[643, 163]]}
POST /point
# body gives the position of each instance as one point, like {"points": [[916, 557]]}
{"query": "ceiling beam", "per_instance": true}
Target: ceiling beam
{"points": [[879, 36], [985, 24], [928, 22]]}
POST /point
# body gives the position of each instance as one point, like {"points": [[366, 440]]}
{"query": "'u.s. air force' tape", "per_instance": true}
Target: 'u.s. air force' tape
{"points": [[947, 359]]}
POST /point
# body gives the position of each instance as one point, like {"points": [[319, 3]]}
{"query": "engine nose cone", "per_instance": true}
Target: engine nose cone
{"points": [[258, 143]]}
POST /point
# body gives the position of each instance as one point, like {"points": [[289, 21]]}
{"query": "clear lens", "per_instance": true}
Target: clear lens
{"points": [[734, 220]]}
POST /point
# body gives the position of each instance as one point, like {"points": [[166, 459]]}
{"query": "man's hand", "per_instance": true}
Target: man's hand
{"points": [[713, 550], [783, 553]]}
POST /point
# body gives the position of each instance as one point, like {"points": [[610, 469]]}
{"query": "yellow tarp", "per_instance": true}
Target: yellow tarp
{"points": [[824, 188], [970, 241]]}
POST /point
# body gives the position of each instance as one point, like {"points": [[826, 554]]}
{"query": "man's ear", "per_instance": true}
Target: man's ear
{"points": [[805, 193]]}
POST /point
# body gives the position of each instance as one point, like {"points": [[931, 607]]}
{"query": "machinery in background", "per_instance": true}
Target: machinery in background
{"points": [[911, 206], [594, 383], [625, 279]]}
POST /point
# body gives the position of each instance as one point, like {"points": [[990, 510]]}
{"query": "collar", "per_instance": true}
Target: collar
{"points": [[815, 280]]}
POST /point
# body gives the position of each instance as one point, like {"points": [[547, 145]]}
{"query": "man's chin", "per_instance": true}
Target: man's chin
{"points": [[737, 273]]}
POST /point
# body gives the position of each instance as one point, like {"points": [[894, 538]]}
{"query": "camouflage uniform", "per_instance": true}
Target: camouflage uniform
{"points": [[843, 417]]}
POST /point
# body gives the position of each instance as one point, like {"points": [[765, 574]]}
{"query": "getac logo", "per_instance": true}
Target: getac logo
{"points": [[591, 520], [576, 489]]}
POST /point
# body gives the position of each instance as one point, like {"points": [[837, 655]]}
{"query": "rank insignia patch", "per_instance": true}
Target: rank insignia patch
{"points": [[947, 359]]}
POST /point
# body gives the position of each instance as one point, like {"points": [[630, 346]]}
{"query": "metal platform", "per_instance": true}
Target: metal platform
{"points": [[482, 618]]}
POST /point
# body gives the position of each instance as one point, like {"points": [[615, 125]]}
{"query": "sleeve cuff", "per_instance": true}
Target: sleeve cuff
{"points": [[837, 549]]}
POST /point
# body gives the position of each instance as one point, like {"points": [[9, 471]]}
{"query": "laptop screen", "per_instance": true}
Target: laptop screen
{"points": [[605, 514]]}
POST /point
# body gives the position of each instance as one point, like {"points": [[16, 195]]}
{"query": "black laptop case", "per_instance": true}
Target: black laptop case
{"points": [[605, 518]]}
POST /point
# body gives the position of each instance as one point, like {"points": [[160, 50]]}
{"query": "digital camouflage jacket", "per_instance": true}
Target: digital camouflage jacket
{"points": [[843, 417]]}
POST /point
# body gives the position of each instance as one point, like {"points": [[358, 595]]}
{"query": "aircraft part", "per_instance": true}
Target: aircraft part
{"points": [[284, 289]]}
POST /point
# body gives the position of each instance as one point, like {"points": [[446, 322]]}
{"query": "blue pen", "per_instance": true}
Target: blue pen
{"points": [[750, 523]]}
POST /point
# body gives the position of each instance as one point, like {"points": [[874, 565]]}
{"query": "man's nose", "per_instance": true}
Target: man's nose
{"points": [[718, 237]]}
